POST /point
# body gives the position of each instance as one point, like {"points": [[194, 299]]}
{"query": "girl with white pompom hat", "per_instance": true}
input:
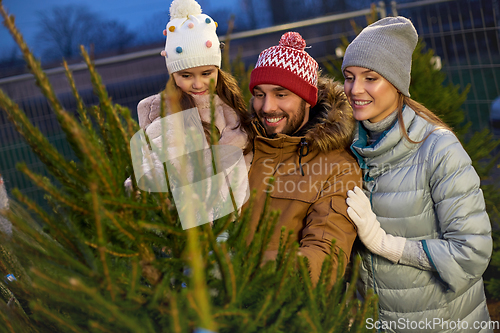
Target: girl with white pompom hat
{"points": [[184, 139], [193, 58]]}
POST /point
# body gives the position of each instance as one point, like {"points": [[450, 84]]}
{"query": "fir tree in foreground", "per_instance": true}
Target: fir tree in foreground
{"points": [[102, 260]]}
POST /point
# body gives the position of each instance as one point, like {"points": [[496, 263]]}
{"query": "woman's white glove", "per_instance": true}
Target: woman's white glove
{"points": [[369, 230]]}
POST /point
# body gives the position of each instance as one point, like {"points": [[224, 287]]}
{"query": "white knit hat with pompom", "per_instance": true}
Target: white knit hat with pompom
{"points": [[191, 38]]}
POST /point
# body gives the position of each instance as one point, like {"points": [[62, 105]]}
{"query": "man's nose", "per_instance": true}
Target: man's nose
{"points": [[269, 104]]}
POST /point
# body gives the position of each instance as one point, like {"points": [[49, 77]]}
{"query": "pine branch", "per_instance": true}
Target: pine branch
{"points": [[115, 222], [80, 105], [220, 256], [60, 320], [113, 309], [198, 279], [133, 279], [175, 314], [7, 323], [102, 111], [160, 227], [46, 185], [113, 253], [41, 146], [90, 153], [116, 140], [312, 326], [96, 325], [61, 232], [125, 133], [232, 275]]}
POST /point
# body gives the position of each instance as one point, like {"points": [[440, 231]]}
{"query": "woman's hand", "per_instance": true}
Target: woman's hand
{"points": [[369, 230], [361, 213]]}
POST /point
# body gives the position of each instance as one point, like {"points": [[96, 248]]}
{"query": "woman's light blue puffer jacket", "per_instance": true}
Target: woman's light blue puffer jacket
{"points": [[427, 192]]}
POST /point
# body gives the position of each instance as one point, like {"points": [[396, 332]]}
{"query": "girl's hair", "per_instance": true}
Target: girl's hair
{"points": [[230, 93], [423, 112]]}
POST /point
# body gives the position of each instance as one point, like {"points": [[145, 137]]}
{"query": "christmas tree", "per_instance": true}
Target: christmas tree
{"points": [[104, 259]]}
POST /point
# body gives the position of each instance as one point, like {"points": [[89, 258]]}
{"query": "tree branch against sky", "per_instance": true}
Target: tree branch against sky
{"points": [[64, 28]]}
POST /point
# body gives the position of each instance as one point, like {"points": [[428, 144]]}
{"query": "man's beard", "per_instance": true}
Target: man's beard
{"points": [[293, 123]]}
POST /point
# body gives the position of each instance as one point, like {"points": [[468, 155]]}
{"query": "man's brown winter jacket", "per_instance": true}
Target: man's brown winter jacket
{"points": [[313, 172]]}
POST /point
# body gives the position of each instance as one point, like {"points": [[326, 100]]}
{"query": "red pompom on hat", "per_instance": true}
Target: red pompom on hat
{"points": [[289, 66]]}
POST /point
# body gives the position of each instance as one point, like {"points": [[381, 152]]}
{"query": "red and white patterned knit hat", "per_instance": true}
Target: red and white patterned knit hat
{"points": [[289, 66]]}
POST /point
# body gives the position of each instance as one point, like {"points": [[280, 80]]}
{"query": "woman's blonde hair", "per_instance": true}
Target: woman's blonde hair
{"points": [[421, 111]]}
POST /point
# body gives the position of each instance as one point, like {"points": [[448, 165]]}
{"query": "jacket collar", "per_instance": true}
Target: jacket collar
{"points": [[391, 147]]}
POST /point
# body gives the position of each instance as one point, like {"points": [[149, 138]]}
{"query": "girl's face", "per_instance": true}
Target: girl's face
{"points": [[196, 80], [371, 96]]}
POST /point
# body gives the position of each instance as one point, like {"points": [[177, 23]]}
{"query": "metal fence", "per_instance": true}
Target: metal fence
{"points": [[464, 34]]}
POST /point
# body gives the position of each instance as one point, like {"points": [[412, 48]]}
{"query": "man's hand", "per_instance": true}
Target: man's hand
{"points": [[369, 230]]}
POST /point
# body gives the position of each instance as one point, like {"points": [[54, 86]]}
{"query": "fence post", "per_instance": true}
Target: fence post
{"points": [[381, 9], [394, 8]]}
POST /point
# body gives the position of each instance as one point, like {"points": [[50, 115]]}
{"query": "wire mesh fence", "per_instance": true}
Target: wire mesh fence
{"points": [[464, 35]]}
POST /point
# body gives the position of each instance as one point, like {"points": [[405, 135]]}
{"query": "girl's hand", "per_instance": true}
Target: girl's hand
{"points": [[369, 230]]}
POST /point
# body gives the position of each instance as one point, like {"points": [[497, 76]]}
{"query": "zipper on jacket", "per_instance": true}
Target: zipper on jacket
{"points": [[303, 147], [371, 192], [259, 128]]}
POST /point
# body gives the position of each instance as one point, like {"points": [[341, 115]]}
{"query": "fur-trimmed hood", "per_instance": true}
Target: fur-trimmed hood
{"points": [[331, 123]]}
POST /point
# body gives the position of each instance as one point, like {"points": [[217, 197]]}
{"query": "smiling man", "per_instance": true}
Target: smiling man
{"points": [[303, 128]]}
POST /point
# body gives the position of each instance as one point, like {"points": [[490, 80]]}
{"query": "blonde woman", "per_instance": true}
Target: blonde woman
{"points": [[421, 214]]}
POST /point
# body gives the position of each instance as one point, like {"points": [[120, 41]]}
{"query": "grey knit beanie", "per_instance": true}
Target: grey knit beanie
{"points": [[385, 47]]}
